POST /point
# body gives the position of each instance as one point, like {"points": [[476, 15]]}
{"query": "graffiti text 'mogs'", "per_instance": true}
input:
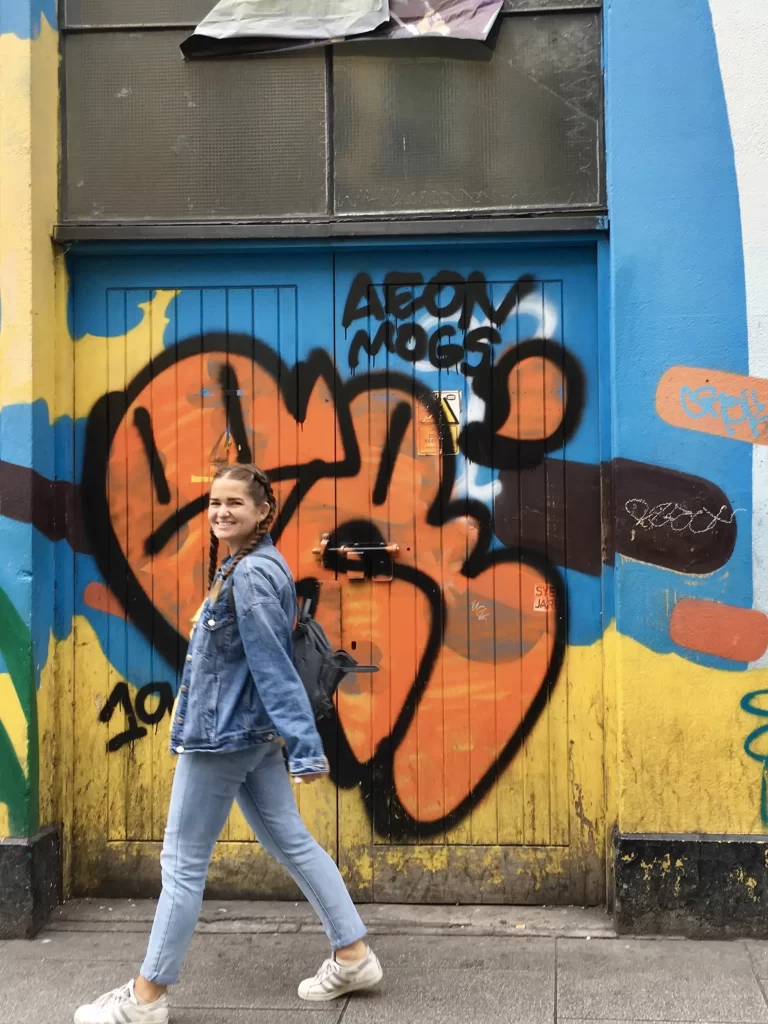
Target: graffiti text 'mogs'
{"points": [[448, 296]]}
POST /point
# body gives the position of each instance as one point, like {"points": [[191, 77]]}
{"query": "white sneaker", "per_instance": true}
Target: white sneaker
{"points": [[334, 979], [120, 1006]]}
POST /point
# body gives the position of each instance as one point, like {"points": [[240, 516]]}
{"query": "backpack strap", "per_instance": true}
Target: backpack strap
{"points": [[302, 612], [343, 661], [278, 563], [274, 561]]}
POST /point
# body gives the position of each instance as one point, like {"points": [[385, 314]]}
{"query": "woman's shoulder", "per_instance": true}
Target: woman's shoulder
{"points": [[264, 563]]}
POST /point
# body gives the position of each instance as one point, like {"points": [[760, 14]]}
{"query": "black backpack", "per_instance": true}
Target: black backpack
{"points": [[320, 668]]}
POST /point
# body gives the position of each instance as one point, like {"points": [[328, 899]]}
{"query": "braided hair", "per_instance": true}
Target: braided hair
{"points": [[260, 490]]}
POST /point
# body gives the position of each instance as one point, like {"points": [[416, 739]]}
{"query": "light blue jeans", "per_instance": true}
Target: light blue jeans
{"points": [[204, 789]]}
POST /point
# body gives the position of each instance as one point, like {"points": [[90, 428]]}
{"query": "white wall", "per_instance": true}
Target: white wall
{"points": [[741, 30]]}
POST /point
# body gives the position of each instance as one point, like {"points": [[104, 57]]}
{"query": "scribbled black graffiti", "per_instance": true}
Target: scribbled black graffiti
{"points": [[143, 423], [375, 779], [394, 305], [296, 384], [482, 440], [448, 295], [525, 470], [137, 711]]}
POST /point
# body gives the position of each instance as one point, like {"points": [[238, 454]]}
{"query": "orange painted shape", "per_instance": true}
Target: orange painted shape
{"points": [[713, 402], [500, 626], [381, 620], [537, 398], [477, 698], [188, 417], [101, 598], [739, 634]]}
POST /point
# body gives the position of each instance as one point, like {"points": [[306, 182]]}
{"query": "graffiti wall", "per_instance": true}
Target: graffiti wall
{"points": [[422, 421], [688, 306], [523, 478]]}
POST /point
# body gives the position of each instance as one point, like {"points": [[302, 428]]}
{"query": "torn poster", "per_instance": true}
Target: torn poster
{"points": [[314, 19], [255, 27]]}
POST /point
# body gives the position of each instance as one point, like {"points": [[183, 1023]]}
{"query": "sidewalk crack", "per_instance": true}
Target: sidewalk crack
{"points": [[759, 980]]}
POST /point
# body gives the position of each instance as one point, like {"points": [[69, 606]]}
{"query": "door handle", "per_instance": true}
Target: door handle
{"points": [[362, 556]]}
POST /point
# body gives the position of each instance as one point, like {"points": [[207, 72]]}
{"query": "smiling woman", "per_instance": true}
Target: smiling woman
{"points": [[241, 509], [240, 691]]}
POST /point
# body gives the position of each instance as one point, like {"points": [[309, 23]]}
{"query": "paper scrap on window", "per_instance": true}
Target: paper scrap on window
{"points": [[254, 27]]}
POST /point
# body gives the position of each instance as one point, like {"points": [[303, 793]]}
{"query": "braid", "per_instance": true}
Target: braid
{"points": [[213, 558], [261, 480]]}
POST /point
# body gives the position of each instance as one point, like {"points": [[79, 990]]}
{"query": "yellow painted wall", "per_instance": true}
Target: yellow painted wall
{"points": [[29, 156], [680, 736]]}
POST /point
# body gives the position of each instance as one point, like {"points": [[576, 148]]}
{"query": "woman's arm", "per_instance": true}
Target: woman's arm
{"points": [[265, 632]]}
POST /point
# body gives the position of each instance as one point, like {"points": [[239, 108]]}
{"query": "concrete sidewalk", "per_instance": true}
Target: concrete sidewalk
{"points": [[490, 965]]}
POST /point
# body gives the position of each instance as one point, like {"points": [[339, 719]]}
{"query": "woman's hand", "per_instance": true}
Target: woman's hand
{"points": [[298, 779]]}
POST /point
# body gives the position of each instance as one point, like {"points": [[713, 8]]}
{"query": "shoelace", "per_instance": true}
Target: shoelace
{"points": [[328, 968], [116, 996]]}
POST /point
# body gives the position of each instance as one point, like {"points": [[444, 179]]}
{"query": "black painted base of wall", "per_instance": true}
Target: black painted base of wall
{"points": [[30, 882], [699, 886]]}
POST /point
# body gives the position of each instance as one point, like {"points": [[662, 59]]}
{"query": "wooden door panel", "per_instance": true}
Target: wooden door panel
{"points": [[471, 743]]}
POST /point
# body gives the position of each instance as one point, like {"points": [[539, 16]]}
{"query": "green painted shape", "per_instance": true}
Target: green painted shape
{"points": [[16, 649], [13, 786]]}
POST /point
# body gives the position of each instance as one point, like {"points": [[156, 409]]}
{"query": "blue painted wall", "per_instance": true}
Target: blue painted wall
{"points": [[677, 275], [23, 18]]}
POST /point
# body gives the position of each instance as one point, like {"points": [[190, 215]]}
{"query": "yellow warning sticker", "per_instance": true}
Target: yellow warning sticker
{"points": [[429, 431]]}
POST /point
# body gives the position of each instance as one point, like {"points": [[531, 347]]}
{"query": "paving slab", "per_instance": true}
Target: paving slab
{"points": [[90, 946], [249, 971], [298, 956], [658, 980], [450, 978], [758, 952], [229, 916], [443, 996], [225, 975], [185, 1015], [251, 977], [292, 954], [51, 992], [414, 953]]}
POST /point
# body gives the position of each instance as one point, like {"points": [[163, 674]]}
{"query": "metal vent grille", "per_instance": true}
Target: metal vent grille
{"points": [[416, 134], [150, 137], [103, 13], [543, 5]]}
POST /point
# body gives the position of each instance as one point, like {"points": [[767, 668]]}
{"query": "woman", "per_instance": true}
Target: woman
{"points": [[239, 692]]}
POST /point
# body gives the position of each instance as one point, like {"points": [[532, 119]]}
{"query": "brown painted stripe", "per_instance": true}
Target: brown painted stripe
{"points": [[51, 506], [651, 514]]}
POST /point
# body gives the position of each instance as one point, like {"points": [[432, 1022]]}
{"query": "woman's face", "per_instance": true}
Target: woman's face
{"points": [[232, 512]]}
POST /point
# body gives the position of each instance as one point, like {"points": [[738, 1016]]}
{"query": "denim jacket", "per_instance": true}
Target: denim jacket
{"points": [[240, 686]]}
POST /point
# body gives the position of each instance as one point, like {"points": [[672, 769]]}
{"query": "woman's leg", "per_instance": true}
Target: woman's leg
{"points": [[267, 802], [204, 789]]}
